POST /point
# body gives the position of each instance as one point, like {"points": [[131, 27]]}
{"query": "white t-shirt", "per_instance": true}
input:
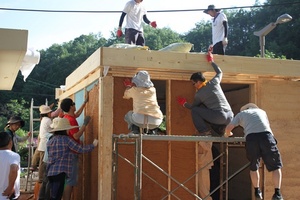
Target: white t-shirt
{"points": [[8, 158], [134, 15], [44, 133], [218, 30]]}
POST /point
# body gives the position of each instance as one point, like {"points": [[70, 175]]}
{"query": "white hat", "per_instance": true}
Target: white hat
{"points": [[248, 105], [45, 109], [142, 79], [61, 124]]}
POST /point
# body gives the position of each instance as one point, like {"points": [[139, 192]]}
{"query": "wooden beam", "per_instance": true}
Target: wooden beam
{"points": [[79, 85], [105, 137], [171, 61], [87, 67]]}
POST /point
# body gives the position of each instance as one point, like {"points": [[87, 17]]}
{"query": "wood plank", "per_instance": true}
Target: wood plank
{"points": [[87, 67], [105, 137], [82, 84], [171, 61]]}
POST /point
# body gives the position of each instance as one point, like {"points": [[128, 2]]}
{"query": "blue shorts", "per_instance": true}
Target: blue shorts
{"points": [[72, 180], [263, 145]]}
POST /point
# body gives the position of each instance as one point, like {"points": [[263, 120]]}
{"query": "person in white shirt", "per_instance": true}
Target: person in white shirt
{"points": [[10, 169], [136, 14], [219, 30]]}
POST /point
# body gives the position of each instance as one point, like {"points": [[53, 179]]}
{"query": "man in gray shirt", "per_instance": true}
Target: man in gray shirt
{"points": [[210, 104], [260, 143]]}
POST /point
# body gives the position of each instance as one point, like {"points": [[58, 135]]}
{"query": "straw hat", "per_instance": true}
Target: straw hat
{"points": [[142, 79], [45, 109], [61, 124], [248, 105], [15, 119]]}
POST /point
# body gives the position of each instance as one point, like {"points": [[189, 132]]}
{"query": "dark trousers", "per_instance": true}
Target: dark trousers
{"points": [[218, 48], [133, 36], [57, 184], [202, 115]]}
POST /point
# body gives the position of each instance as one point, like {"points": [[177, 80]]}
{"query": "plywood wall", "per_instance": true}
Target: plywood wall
{"points": [[90, 160], [179, 159], [281, 100]]}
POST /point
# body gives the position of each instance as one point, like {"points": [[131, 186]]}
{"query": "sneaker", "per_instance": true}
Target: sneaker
{"points": [[135, 129], [258, 195], [277, 197]]}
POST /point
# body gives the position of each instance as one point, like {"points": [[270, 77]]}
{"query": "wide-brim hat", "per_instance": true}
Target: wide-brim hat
{"points": [[211, 7], [16, 119], [142, 79], [248, 105], [45, 109], [61, 124]]}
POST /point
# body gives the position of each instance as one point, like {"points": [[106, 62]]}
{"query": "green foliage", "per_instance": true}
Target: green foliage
{"points": [[159, 38], [200, 36], [14, 107], [271, 55]]}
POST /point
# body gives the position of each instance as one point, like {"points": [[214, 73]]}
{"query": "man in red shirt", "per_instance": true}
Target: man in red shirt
{"points": [[70, 113]]}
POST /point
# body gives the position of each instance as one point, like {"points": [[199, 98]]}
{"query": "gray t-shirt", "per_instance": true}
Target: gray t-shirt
{"points": [[253, 120]]}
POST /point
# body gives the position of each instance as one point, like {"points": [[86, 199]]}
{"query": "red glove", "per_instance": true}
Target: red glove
{"points": [[181, 100], [119, 33], [127, 82], [153, 24], [209, 57]]}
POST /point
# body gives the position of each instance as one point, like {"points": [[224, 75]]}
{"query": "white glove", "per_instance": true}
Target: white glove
{"points": [[225, 41], [95, 142]]}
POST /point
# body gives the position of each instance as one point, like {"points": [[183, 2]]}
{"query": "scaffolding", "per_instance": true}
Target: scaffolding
{"points": [[137, 141]]}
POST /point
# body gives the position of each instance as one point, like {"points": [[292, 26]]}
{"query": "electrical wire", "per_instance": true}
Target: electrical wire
{"points": [[153, 11]]}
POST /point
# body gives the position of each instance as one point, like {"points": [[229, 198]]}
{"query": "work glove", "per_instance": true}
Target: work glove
{"points": [[119, 33], [210, 57], [181, 100], [225, 41], [127, 82], [95, 142], [86, 120], [153, 24]]}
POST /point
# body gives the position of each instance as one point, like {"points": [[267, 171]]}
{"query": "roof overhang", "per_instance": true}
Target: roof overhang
{"points": [[13, 47]]}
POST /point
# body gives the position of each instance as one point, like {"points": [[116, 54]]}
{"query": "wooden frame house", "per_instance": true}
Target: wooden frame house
{"points": [[272, 84]]}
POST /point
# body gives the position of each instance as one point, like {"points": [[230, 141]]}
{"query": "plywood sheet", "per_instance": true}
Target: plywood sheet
{"points": [[90, 160], [281, 101]]}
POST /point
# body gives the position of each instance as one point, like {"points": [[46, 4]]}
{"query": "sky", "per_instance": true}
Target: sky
{"points": [[47, 28]]}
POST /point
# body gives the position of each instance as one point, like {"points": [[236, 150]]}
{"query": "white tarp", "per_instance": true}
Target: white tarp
{"points": [[31, 58]]}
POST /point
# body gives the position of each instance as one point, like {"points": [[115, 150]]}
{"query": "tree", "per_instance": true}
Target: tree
{"points": [[284, 40], [200, 36], [159, 38]]}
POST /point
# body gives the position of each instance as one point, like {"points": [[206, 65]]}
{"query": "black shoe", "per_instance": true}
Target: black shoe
{"points": [[219, 129], [277, 197], [135, 129], [258, 195], [150, 132]]}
